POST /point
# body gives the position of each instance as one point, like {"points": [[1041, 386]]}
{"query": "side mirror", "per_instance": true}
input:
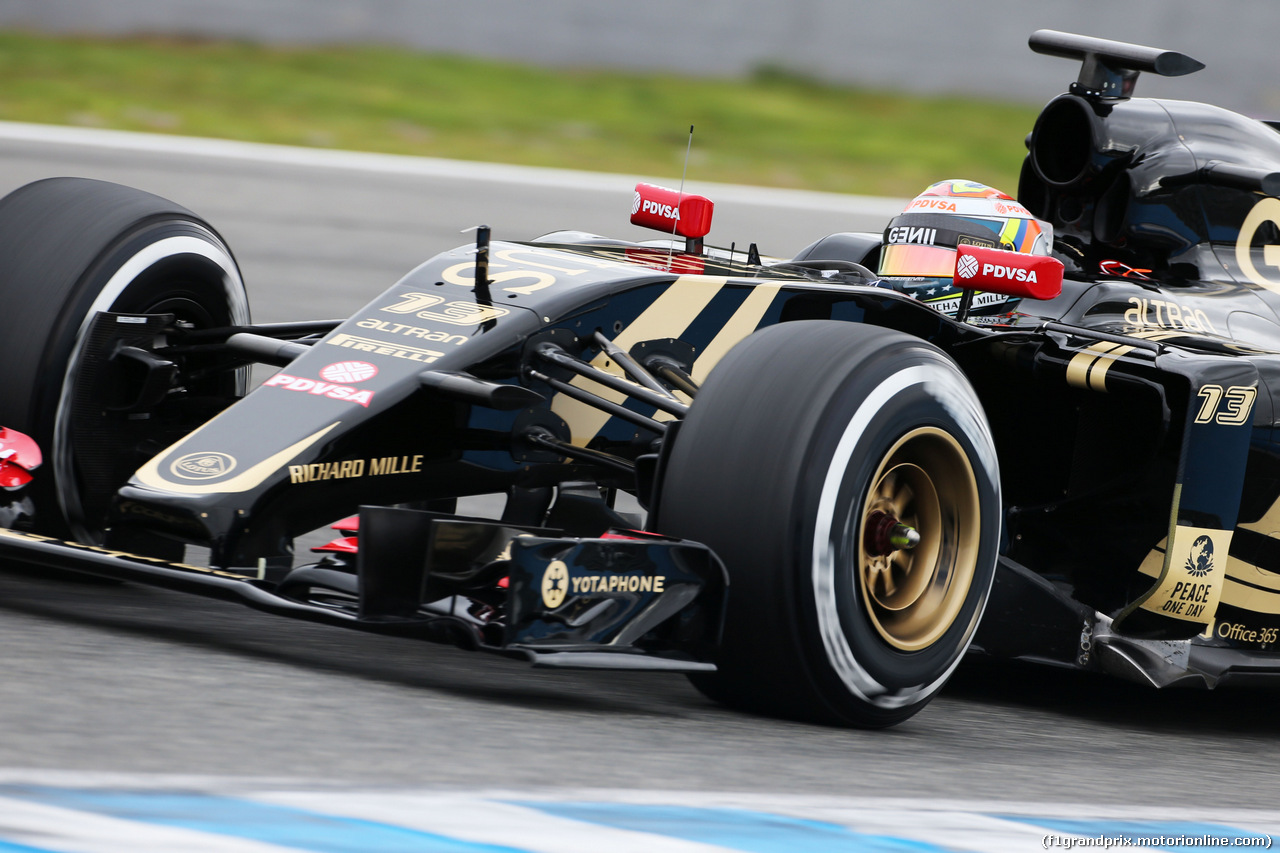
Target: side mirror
{"points": [[671, 212], [1010, 273]]}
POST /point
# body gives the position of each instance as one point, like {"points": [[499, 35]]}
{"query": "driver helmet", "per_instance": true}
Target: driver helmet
{"points": [[918, 256]]}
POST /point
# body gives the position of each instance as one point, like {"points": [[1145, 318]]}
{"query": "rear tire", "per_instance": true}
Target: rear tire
{"points": [[802, 442], [70, 248]]}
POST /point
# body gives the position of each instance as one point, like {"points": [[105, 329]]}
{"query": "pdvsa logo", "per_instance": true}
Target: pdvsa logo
{"points": [[338, 372], [635, 204], [666, 211], [205, 465], [1001, 271], [1003, 207], [967, 266], [933, 204], [317, 388], [349, 372]]}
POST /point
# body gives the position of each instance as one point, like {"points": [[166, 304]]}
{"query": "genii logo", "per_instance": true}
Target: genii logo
{"points": [[911, 234]]}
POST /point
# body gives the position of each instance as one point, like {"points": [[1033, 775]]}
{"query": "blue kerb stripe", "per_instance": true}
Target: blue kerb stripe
{"points": [[750, 831], [279, 825], [1133, 829]]}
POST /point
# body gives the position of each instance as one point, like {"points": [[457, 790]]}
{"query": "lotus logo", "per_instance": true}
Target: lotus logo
{"points": [[967, 266], [1200, 560], [203, 466]]}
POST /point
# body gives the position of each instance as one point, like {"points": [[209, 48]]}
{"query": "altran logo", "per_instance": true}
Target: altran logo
{"points": [[635, 204], [203, 466], [967, 266]]}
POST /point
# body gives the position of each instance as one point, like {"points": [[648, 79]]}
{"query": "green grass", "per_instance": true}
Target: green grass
{"points": [[775, 129]]}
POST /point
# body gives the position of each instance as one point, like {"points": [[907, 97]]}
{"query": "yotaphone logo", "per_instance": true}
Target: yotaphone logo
{"points": [[555, 584], [619, 583], [1200, 560], [967, 266], [666, 211], [349, 371], [203, 466]]}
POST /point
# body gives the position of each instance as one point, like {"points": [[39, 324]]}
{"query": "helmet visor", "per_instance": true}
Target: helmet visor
{"points": [[907, 259]]}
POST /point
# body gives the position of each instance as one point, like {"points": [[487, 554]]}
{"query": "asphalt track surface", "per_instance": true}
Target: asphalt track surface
{"points": [[98, 677]]}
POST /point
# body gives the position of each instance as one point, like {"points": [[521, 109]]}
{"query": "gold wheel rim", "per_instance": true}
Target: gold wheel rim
{"points": [[914, 595]]}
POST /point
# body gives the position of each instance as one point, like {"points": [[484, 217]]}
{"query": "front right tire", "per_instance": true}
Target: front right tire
{"points": [[69, 249]]}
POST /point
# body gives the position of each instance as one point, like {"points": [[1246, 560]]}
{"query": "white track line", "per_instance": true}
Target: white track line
{"points": [[399, 164]]}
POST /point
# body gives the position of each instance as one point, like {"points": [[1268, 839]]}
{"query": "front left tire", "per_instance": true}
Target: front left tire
{"points": [[847, 477]]}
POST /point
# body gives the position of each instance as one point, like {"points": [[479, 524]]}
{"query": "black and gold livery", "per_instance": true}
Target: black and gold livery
{"points": [[845, 488]]}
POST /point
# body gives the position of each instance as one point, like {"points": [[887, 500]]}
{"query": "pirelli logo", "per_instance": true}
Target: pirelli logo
{"points": [[375, 347], [1088, 369]]}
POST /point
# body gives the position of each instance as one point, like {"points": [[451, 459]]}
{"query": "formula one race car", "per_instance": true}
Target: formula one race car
{"points": [[850, 477]]}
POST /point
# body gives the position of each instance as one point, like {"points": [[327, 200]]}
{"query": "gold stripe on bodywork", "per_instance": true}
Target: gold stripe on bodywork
{"points": [[1078, 367], [1248, 573], [743, 322], [149, 474], [667, 317], [1247, 597], [1098, 372], [1088, 368]]}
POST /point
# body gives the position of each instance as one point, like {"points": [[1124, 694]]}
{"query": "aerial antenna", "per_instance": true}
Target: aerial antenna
{"points": [[483, 296], [679, 197]]}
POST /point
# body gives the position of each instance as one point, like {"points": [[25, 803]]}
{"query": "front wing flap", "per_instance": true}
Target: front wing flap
{"points": [[642, 602]]}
